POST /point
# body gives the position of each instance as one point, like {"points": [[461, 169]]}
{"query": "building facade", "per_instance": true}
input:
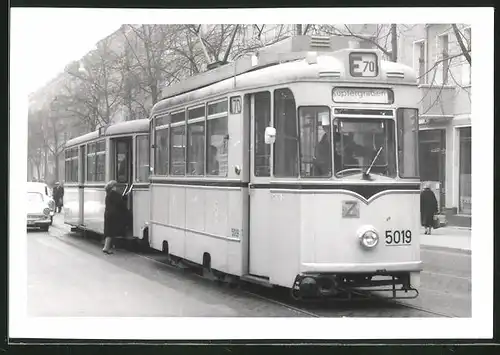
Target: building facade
{"points": [[445, 113]]}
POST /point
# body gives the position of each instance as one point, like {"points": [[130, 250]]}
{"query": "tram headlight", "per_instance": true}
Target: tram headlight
{"points": [[368, 238]]}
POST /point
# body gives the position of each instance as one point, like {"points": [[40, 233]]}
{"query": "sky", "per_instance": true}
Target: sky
{"points": [[52, 44], [53, 37]]}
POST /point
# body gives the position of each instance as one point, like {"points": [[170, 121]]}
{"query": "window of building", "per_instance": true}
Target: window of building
{"points": [[286, 146], [178, 144], [142, 156], [196, 141], [466, 67], [465, 171], [315, 141], [262, 119], [419, 60], [217, 139], [443, 57], [407, 128]]}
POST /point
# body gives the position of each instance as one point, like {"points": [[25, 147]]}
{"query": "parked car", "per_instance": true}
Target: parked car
{"points": [[46, 192], [38, 212]]}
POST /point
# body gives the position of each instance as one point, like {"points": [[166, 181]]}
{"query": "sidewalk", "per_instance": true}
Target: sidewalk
{"points": [[447, 237]]}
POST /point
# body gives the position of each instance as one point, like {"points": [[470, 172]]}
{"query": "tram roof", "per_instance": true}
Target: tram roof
{"points": [[127, 127], [326, 66]]}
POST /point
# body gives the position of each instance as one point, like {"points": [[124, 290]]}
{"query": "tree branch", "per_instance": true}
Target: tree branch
{"points": [[367, 39], [439, 62], [306, 29], [465, 52], [228, 49]]}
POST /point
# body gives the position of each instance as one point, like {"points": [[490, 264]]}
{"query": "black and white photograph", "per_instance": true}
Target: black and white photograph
{"points": [[184, 174]]}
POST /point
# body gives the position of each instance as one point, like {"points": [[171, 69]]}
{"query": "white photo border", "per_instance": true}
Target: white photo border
{"points": [[479, 326]]}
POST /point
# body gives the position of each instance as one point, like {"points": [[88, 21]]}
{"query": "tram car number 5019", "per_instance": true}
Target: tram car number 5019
{"points": [[398, 237]]}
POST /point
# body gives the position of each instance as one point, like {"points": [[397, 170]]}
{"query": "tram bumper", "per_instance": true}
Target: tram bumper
{"points": [[330, 280]]}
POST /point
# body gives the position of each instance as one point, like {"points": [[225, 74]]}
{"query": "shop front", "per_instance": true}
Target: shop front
{"points": [[465, 171], [432, 156]]}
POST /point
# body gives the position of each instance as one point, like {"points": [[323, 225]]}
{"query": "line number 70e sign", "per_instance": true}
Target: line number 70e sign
{"points": [[363, 64]]}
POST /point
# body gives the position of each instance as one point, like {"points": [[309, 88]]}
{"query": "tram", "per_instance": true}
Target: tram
{"points": [[117, 152], [295, 168]]}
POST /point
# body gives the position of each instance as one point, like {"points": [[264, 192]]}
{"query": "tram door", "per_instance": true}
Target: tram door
{"points": [[123, 167], [259, 191]]}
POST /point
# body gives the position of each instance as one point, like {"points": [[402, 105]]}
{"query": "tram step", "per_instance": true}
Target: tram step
{"points": [[263, 281]]}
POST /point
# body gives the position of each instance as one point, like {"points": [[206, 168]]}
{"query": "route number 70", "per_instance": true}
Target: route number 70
{"points": [[363, 64]]}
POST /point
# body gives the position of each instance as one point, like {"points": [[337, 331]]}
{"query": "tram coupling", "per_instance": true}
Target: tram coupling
{"points": [[310, 287]]}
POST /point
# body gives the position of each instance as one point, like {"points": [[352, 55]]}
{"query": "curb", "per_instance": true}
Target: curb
{"points": [[440, 248]]}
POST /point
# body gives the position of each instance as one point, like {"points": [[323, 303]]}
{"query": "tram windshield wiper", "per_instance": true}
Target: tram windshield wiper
{"points": [[366, 174]]}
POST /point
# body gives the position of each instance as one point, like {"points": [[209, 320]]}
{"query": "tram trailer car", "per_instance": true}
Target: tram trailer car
{"points": [[117, 152], [274, 212]]}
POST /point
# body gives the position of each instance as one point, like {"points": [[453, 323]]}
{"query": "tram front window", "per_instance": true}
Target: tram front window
{"points": [[315, 141], [361, 143]]}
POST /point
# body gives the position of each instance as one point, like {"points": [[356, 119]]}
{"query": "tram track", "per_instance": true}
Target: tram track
{"points": [[373, 307], [310, 310]]}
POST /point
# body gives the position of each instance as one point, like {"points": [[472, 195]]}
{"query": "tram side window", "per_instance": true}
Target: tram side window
{"points": [[286, 144], [96, 161], [217, 139], [122, 165], [71, 165], [142, 164], [408, 142], [161, 165], [74, 165], [196, 141], [91, 162], [262, 151], [315, 141], [178, 144], [100, 170]]}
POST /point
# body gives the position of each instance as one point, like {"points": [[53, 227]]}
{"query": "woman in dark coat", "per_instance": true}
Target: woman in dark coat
{"points": [[428, 207], [115, 216]]}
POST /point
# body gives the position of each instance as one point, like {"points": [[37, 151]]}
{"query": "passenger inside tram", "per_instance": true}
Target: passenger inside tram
{"points": [[347, 152], [337, 152], [323, 158], [213, 163]]}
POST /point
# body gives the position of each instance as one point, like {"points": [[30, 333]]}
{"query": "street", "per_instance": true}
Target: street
{"points": [[69, 276]]}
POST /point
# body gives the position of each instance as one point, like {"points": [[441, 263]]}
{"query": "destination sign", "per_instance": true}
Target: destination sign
{"points": [[362, 95]]}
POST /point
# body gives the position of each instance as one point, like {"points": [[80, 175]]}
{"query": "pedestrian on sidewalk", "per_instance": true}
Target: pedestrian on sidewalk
{"points": [[57, 195], [428, 208], [115, 215]]}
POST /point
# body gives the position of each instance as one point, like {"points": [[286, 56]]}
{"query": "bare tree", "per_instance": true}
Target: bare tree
{"points": [[97, 84], [36, 141], [148, 49], [377, 37]]}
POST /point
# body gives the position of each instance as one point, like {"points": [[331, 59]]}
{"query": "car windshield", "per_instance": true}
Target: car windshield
{"points": [[363, 143], [34, 197]]}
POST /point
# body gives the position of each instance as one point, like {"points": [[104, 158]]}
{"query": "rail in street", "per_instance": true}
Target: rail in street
{"points": [[69, 264]]}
